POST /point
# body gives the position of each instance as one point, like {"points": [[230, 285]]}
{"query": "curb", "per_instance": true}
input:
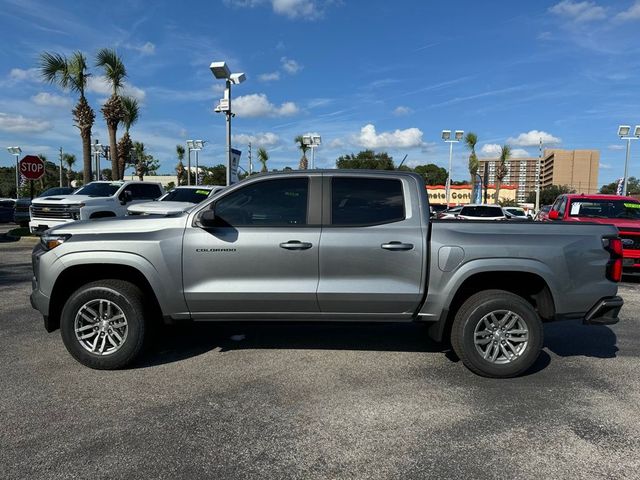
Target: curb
{"points": [[23, 239]]}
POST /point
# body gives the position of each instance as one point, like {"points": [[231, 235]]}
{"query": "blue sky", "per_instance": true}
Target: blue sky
{"points": [[362, 74]]}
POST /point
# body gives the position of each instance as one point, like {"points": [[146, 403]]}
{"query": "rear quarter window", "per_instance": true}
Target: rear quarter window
{"points": [[366, 201]]}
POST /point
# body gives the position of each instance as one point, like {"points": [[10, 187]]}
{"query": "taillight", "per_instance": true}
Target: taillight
{"points": [[614, 265]]}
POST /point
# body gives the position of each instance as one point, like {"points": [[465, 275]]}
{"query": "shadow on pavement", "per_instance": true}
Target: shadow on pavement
{"points": [[174, 343], [572, 338]]}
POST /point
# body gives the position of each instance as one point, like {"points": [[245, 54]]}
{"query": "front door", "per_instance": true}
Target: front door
{"points": [[261, 258], [372, 248]]}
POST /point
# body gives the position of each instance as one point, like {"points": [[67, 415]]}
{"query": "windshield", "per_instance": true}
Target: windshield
{"points": [[191, 195], [515, 211], [99, 189], [56, 191], [605, 209], [481, 211]]}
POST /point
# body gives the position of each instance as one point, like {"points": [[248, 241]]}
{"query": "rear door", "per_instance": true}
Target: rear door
{"points": [[372, 247], [261, 258]]}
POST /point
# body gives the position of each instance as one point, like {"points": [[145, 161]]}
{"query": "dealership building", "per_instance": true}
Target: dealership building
{"points": [[578, 169]]}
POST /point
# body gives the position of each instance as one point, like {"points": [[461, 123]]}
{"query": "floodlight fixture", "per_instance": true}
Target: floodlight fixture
{"points": [[459, 134], [446, 135], [199, 144], [237, 78], [623, 130], [316, 139], [306, 139], [220, 70], [14, 150], [636, 131]]}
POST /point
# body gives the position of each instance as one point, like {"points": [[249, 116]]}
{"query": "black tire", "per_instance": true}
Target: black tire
{"points": [[121, 295], [471, 314]]}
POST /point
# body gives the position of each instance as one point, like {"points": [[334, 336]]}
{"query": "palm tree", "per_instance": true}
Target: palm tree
{"points": [[72, 74], [113, 111], [131, 114], [263, 156], [138, 148], [470, 140], [180, 167], [304, 163], [502, 169], [69, 160]]}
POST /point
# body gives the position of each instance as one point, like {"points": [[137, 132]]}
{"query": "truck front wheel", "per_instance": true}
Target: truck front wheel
{"points": [[103, 324], [497, 334]]}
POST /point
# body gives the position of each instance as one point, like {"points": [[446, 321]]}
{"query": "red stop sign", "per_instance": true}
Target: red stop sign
{"points": [[31, 167]]}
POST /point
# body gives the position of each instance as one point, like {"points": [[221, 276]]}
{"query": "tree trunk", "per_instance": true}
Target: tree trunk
{"points": [[113, 151], [497, 194], [85, 133]]}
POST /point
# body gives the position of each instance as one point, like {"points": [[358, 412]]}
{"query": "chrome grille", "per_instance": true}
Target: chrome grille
{"points": [[49, 210]]}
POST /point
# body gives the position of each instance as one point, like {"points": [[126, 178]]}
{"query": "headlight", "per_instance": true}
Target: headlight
{"points": [[49, 242]]}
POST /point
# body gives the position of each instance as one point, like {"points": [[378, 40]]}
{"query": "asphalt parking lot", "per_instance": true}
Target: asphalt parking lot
{"points": [[314, 401]]}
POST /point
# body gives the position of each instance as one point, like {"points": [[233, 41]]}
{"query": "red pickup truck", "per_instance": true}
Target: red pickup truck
{"points": [[616, 210]]}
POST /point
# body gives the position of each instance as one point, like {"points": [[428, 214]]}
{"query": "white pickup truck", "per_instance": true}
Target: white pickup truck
{"points": [[94, 200]]}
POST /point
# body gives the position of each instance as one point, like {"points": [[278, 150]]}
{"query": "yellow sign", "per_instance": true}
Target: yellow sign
{"points": [[461, 194]]}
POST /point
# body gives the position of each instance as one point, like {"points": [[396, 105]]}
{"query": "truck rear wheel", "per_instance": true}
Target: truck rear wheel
{"points": [[103, 324], [497, 334]]}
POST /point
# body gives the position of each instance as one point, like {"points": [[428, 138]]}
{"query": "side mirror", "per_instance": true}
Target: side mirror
{"points": [[554, 215], [126, 197], [206, 219]]}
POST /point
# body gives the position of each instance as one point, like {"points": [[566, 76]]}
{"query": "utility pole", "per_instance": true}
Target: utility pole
{"points": [[60, 167], [250, 161]]}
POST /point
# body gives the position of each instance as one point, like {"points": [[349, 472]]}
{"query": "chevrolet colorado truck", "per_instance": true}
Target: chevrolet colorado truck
{"points": [[94, 200], [333, 245]]}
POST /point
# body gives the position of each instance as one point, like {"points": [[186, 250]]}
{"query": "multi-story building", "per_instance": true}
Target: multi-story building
{"points": [[577, 169], [521, 173]]}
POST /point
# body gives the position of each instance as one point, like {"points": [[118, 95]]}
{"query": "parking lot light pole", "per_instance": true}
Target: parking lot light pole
{"points": [[16, 151], [190, 147], [97, 150], [197, 146], [624, 134], [446, 136], [312, 141], [221, 71]]}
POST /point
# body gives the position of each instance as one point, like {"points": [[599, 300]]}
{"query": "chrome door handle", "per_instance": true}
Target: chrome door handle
{"points": [[295, 245], [397, 246]]}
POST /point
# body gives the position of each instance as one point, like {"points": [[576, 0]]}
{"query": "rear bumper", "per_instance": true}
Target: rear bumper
{"points": [[604, 312]]}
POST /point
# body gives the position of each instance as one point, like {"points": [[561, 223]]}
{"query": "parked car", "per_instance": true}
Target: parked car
{"points": [[325, 245], [21, 215], [449, 213], [543, 214], [94, 200], [178, 200], [516, 213], [481, 212], [436, 208], [7, 206], [622, 212]]}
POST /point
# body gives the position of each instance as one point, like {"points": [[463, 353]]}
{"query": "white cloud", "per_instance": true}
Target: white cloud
{"points": [[491, 149], [306, 9], [290, 66], [266, 139], [606, 166], [147, 48], [519, 153], [616, 146], [99, 84], [408, 138], [20, 124], [269, 77], [632, 13], [532, 139], [258, 105], [31, 74], [400, 111], [336, 143], [50, 100], [585, 11]]}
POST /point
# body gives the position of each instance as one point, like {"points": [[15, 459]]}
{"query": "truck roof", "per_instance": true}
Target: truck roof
{"points": [[599, 196]]}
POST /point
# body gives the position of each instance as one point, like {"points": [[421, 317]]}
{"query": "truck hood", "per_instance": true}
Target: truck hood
{"points": [[72, 199], [160, 208], [107, 227]]}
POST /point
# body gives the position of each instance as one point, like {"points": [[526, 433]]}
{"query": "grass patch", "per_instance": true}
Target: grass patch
{"points": [[20, 232]]}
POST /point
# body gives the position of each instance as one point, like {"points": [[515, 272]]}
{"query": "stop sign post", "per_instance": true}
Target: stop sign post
{"points": [[31, 168]]}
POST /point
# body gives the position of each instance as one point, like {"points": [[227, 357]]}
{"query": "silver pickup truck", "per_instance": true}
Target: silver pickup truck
{"points": [[331, 245]]}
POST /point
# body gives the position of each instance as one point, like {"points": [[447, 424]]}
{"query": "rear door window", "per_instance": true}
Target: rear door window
{"points": [[366, 201]]}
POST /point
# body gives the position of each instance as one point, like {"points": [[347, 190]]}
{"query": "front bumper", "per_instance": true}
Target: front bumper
{"points": [[604, 312]]}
